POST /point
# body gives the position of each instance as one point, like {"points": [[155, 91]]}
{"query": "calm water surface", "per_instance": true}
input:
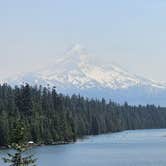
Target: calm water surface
{"points": [[128, 148]]}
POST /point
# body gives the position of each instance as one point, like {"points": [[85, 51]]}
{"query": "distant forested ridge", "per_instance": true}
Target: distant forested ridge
{"points": [[51, 117]]}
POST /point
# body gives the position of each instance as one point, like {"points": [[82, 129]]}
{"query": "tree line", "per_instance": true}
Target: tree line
{"points": [[51, 117]]}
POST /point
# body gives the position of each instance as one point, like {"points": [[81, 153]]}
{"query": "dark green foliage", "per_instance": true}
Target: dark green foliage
{"points": [[50, 117], [23, 99], [20, 145]]}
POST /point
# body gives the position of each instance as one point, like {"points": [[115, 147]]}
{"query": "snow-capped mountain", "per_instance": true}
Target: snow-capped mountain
{"points": [[75, 73]]}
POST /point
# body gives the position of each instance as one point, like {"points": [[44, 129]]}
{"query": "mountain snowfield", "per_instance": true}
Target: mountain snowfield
{"points": [[75, 73]]}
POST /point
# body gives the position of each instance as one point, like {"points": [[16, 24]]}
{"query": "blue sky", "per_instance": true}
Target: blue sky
{"points": [[131, 33]]}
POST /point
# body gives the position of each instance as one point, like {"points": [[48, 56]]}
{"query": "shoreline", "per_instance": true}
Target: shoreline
{"points": [[3, 147], [41, 144]]}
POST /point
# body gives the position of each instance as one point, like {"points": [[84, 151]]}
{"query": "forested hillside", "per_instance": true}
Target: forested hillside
{"points": [[51, 117]]}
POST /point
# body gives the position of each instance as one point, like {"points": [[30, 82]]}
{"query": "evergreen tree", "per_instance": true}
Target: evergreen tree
{"points": [[19, 144]]}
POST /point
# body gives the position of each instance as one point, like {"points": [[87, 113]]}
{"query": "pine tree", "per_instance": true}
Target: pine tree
{"points": [[19, 144]]}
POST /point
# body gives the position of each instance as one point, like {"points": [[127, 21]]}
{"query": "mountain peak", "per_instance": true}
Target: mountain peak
{"points": [[77, 53], [77, 49]]}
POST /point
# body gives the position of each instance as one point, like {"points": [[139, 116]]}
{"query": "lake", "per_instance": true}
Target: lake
{"points": [[127, 148]]}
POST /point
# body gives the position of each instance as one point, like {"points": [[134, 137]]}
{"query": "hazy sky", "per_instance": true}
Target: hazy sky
{"points": [[131, 33]]}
